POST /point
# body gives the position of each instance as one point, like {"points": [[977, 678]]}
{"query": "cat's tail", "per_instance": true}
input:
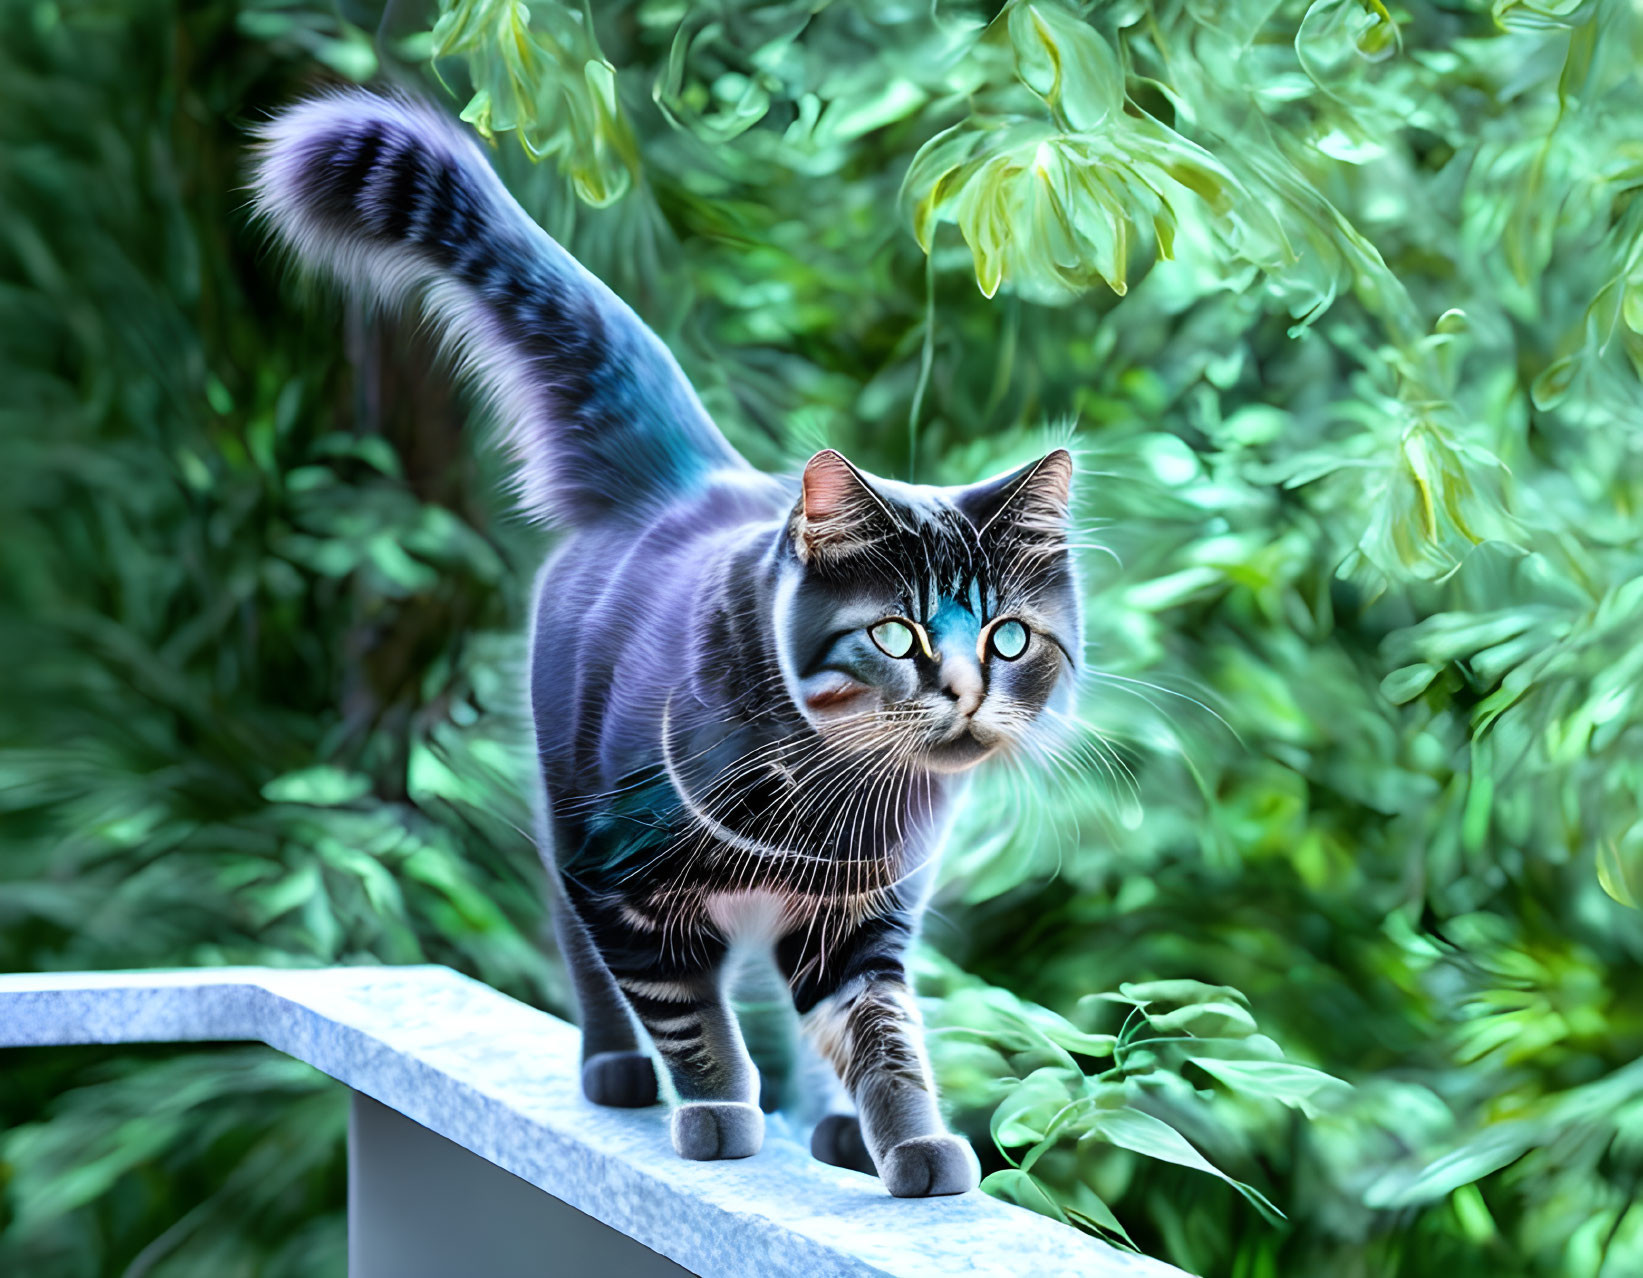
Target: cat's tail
{"points": [[396, 202]]}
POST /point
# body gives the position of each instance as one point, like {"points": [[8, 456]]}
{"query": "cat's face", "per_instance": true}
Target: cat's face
{"points": [[935, 624]]}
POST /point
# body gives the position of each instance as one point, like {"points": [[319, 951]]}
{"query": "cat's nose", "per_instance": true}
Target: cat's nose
{"points": [[961, 682]]}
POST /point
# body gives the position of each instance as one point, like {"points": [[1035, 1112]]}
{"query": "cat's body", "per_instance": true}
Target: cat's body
{"points": [[698, 757], [754, 700]]}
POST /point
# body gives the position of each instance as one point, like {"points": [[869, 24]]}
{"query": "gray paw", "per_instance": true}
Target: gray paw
{"points": [[623, 1080], [837, 1141], [717, 1129], [930, 1165]]}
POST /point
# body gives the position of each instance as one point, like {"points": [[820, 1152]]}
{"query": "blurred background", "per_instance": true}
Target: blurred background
{"points": [[1312, 948]]}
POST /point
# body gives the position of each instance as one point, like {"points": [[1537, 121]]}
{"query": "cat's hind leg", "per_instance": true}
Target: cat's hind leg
{"points": [[835, 1137], [837, 1141], [615, 1069]]}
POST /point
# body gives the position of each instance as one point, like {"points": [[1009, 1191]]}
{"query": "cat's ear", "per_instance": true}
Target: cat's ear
{"points": [[838, 512], [1034, 501]]}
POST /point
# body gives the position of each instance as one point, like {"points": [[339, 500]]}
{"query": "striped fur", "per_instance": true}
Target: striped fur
{"points": [[395, 202]]}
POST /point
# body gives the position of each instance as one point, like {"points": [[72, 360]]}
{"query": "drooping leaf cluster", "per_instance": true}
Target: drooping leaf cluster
{"points": [[1311, 945]]}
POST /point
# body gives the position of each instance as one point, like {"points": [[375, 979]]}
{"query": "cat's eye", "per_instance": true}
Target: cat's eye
{"points": [[895, 637], [1007, 639]]}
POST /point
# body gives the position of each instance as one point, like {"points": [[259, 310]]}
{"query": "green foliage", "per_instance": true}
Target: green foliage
{"points": [[238, 1154], [1051, 180], [1311, 946], [546, 81], [256, 706], [1025, 1069]]}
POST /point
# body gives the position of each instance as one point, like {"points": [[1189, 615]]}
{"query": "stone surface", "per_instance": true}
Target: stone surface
{"points": [[501, 1079]]}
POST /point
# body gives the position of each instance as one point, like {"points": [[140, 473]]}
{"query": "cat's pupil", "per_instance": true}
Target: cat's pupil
{"points": [[1009, 639], [894, 638]]}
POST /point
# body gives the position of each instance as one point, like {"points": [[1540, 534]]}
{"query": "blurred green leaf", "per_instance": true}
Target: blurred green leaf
{"points": [[1141, 1132], [1298, 1086], [322, 786]]}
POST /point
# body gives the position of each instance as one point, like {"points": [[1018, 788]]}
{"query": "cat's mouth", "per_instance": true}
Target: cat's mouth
{"points": [[958, 751]]}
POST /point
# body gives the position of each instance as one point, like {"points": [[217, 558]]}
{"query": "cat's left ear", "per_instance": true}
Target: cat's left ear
{"points": [[1033, 501]]}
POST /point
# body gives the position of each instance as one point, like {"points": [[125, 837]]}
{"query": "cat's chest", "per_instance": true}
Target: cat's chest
{"points": [[759, 917]]}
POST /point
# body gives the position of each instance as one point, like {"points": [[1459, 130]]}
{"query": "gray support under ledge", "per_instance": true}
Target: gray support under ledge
{"points": [[469, 1133], [420, 1206]]}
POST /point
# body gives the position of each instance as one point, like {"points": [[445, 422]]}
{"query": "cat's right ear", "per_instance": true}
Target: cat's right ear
{"points": [[1033, 502], [838, 512]]}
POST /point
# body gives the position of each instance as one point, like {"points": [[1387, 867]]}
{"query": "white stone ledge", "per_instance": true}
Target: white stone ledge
{"points": [[500, 1079]]}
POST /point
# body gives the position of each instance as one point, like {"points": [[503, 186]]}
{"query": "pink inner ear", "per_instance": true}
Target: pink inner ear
{"points": [[830, 486]]}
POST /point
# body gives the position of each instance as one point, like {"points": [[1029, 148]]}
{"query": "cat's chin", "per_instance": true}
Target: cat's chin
{"points": [[959, 754]]}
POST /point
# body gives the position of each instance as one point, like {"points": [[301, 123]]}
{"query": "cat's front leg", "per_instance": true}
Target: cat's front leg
{"points": [[869, 1028], [690, 1021]]}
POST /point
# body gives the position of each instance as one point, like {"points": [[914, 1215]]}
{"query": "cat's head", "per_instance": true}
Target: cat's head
{"points": [[936, 623]]}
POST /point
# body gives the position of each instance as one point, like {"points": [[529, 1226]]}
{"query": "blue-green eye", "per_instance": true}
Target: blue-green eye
{"points": [[1008, 639], [894, 638]]}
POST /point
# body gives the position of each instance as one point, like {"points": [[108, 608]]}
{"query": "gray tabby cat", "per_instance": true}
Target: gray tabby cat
{"points": [[755, 700]]}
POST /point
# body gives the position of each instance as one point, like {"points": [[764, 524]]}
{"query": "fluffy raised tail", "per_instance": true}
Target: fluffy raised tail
{"points": [[397, 202]]}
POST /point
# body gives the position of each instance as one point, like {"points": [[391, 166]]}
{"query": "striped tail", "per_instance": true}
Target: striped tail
{"points": [[397, 202]]}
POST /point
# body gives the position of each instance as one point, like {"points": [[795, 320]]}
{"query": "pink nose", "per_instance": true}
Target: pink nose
{"points": [[961, 681]]}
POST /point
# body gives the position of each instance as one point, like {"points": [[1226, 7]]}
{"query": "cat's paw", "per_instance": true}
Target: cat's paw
{"points": [[837, 1141], [927, 1166], [717, 1129], [623, 1080]]}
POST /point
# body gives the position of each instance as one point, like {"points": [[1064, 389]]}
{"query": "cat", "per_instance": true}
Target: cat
{"points": [[755, 698]]}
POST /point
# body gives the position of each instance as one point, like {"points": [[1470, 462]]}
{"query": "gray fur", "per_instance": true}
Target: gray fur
{"points": [[755, 697]]}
